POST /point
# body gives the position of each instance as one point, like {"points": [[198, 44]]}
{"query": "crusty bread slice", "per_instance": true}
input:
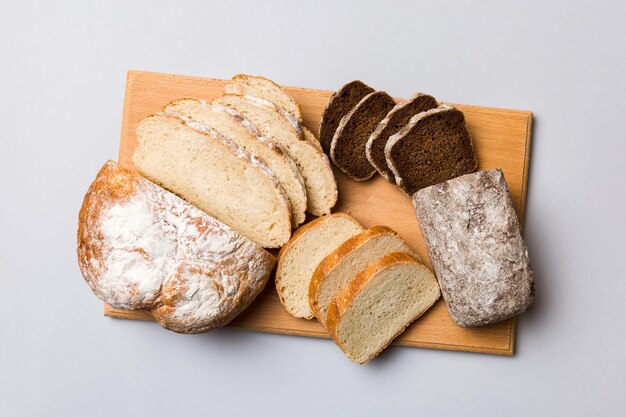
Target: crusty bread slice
{"points": [[348, 259], [347, 149], [310, 137], [395, 120], [215, 175], [319, 180], [257, 86], [339, 104], [433, 147], [300, 256], [228, 122], [379, 303]]}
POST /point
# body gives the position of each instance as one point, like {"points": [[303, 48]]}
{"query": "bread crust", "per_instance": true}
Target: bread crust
{"points": [[336, 257], [352, 117], [227, 269], [340, 101], [382, 128], [231, 89], [301, 231], [339, 306], [400, 136]]}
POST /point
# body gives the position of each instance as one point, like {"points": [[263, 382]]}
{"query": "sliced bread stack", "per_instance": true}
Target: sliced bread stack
{"points": [[243, 158], [365, 286], [413, 144]]}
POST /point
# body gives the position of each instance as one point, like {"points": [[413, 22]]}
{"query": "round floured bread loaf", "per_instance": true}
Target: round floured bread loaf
{"points": [[142, 247]]}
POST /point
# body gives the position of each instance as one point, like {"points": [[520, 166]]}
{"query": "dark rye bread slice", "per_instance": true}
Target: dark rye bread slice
{"points": [[433, 147], [339, 105], [347, 150], [395, 120]]}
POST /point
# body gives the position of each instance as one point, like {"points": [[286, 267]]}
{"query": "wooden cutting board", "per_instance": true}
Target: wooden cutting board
{"points": [[501, 140]]}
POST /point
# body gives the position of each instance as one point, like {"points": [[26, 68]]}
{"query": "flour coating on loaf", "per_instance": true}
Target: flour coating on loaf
{"points": [[141, 247], [475, 243]]}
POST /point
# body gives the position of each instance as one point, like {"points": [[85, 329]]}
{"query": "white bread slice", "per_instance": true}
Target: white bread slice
{"points": [[319, 181], [256, 86], [215, 175], [228, 122], [379, 303], [299, 257], [348, 259], [311, 138]]}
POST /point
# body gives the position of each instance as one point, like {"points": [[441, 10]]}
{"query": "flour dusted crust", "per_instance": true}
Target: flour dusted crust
{"points": [[475, 243], [142, 247]]}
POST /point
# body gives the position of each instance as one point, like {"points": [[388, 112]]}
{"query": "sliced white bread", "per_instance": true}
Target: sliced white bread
{"points": [[310, 137], [228, 122], [256, 86], [213, 173], [300, 256], [379, 303], [319, 181], [348, 259]]}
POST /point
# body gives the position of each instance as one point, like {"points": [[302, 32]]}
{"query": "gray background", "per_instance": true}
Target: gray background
{"points": [[62, 74]]}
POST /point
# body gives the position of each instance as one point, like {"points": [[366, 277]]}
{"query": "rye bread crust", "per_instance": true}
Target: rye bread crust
{"points": [[433, 147], [395, 120], [474, 240], [347, 149], [340, 103]]}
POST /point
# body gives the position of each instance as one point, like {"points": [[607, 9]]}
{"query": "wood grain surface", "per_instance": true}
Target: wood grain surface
{"points": [[501, 140]]}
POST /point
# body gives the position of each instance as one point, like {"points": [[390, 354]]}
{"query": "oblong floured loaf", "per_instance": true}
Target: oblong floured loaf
{"points": [[433, 147], [142, 247], [475, 243], [300, 256], [339, 104], [229, 123], [348, 259], [257, 86], [215, 175], [395, 120], [314, 166], [379, 303], [347, 149]]}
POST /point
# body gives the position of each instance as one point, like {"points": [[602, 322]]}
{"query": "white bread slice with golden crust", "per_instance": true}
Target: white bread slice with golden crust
{"points": [[379, 303], [214, 174], [228, 122], [300, 256], [257, 86], [319, 180], [342, 264], [311, 138]]}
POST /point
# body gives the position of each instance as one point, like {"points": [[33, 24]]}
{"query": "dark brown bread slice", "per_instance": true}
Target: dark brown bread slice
{"points": [[475, 244], [347, 150], [339, 105], [433, 147], [395, 120]]}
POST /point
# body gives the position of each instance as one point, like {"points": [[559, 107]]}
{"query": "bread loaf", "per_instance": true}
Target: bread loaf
{"points": [[348, 259], [347, 149], [379, 303], [340, 103], [215, 175], [142, 247], [300, 256], [433, 147], [475, 243], [231, 124], [314, 166], [396, 119]]}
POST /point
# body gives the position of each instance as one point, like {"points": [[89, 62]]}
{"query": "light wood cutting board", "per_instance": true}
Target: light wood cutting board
{"points": [[501, 140]]}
